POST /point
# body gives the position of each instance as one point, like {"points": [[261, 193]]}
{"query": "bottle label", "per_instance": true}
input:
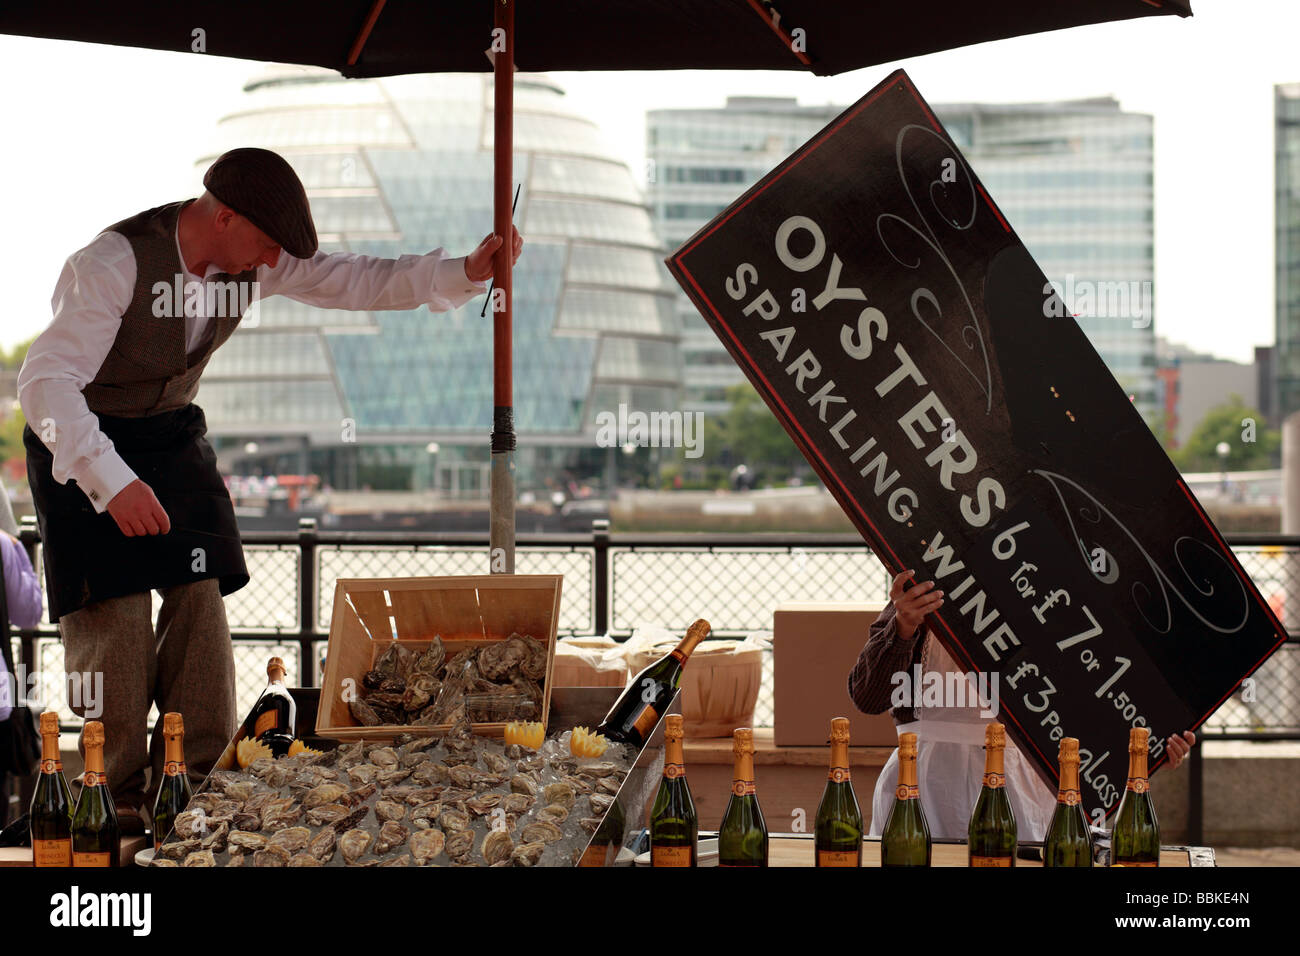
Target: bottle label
{"points": [[908, 793], [91, 859], [92, 779], [645, 722], [174, 768], [594, 855], [1068, 797], [743, 788], [52, 852], [51, 766], [990, 861], [670, 856], [837, 858], [995, 780], [265, 721], [674, 770], [838, 774], [1138, 784]]}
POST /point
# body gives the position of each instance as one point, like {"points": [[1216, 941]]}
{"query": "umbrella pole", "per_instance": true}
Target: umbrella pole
{"points": [[501, 557]]}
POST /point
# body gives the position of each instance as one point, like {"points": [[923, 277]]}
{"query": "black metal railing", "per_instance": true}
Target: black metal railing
{"points": [[613, 582]]}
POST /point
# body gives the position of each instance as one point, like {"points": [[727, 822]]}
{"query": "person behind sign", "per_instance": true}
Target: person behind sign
{"points": [[950, 762]]}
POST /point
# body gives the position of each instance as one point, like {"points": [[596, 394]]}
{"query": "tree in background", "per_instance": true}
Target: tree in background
{"points": [[11, 414], [1252, 445]]}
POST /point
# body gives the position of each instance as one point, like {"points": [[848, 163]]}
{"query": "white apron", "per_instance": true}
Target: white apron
{"points": [[950, 767]]}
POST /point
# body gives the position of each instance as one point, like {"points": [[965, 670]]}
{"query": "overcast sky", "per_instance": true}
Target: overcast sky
{"points": [[93, 134]]}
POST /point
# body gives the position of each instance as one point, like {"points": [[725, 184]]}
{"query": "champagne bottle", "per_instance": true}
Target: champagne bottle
{"points": [[839, 818], [95, 832], [647, 696], [906, 838], [1069, 841], [51, 810], [174, 793], [272, 718], [1135, 838], [991, 837], [674, 826], [742, 838]]}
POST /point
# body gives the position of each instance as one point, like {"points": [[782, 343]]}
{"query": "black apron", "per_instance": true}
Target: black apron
{"points": [[89, 559]]}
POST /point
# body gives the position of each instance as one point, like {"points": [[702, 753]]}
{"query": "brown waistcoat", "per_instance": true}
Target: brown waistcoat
{"points": [[147, 370]]}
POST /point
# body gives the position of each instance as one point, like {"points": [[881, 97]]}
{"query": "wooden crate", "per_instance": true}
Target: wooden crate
{"points": [[465, 610]]}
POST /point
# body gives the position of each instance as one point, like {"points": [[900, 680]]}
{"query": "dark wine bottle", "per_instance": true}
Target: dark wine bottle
{"points": [[838, 835], [742, 838], [674, 826], [272, 717], [1069, 841], [648, 694], [51, 809], [95, 833], [906, 837], [607, 840], [991, 837], [174, 793], [1135, 838]]}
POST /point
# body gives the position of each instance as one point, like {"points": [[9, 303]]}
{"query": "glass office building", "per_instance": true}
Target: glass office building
{"points": [[1286, 114], [700, 161], [1074, 179], [404, 165]]}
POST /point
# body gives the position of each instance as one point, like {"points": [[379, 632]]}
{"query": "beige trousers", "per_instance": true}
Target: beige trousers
{"points": [[186, 666]]}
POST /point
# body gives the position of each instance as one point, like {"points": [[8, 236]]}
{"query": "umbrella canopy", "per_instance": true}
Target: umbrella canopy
{"points": [[371, 38], [378, 38]]}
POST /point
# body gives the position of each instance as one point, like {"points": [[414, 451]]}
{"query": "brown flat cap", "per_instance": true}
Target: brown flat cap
{"points": [[263, 188]]}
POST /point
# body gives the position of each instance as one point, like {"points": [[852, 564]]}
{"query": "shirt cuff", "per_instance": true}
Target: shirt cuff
{"points": [[103, 478], [451, 282]]}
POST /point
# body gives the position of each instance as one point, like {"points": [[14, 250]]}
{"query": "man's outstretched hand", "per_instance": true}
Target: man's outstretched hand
{"points": [[478, 264], [137, 511]]}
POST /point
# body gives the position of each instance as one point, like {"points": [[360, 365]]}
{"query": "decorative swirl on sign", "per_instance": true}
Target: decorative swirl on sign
{"points": [[941, 195], [1141, 592]]}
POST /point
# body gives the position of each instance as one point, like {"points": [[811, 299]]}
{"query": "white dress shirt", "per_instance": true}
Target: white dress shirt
{"points": [[96, 287]]}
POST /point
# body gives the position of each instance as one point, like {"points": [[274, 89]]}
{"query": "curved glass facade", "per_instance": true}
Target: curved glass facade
{"points": [[404, 165]]}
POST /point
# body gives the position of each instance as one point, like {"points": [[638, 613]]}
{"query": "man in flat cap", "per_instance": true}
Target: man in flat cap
{"points": [[125, 484]]}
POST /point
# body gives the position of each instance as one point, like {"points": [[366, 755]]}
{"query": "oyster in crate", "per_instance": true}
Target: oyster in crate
{"points": [[426, 844], [354, 843]]}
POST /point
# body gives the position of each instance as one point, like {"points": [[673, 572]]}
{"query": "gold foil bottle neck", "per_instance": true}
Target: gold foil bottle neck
{"points": [[907, 746], [995, 736], [742, 741], [92, 734], [275, 668], [673, 730], [1069, 751], [49, 723], [1137, 740], [173, 725], [840, 730]]}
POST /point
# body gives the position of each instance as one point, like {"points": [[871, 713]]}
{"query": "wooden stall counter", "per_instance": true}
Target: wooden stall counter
{"points": [[796, 849]]}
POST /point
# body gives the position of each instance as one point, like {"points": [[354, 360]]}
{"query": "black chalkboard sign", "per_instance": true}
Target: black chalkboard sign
{"points": [[885, 309]]}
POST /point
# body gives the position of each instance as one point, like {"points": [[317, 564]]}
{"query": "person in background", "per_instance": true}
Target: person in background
{"points": [[950, 761], [23, 597]]}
